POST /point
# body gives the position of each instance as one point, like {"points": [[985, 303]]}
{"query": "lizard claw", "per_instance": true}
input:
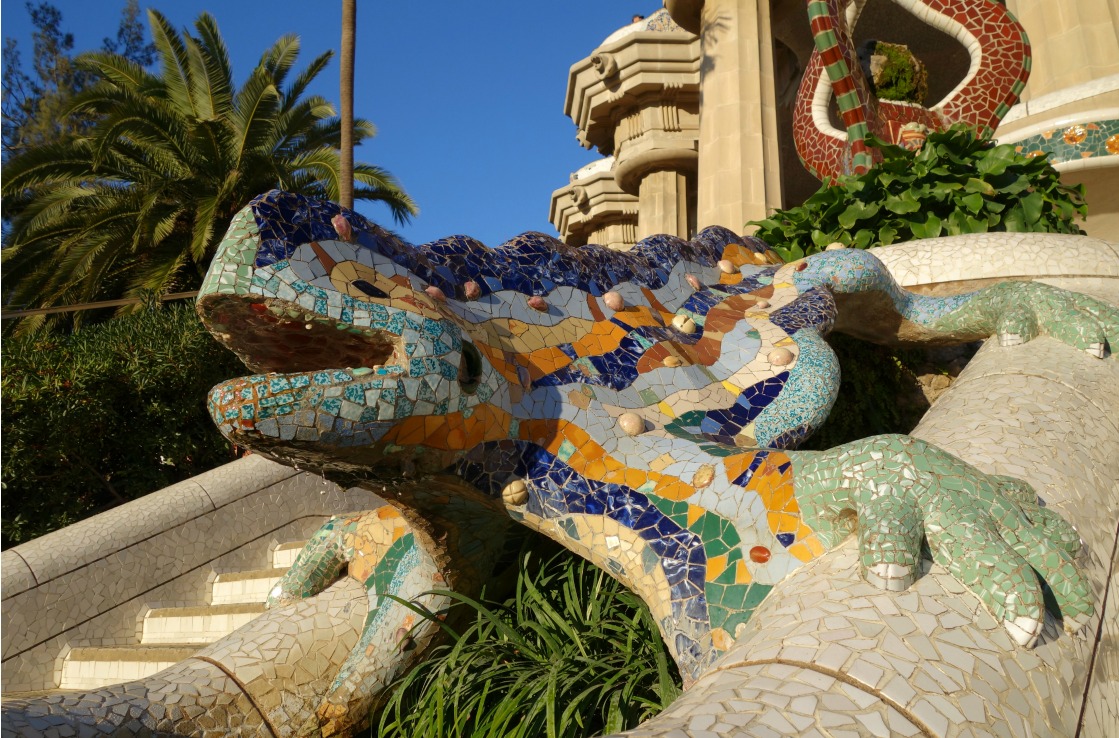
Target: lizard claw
{"points": [[988, 531]]}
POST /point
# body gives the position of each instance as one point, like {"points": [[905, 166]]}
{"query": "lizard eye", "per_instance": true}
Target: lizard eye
{"points": [[469, 368]]}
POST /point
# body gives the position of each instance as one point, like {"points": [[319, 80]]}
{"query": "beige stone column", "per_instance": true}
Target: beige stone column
{"points": [[739, 163], [635, 99], [1073, 42], [663, 204]]}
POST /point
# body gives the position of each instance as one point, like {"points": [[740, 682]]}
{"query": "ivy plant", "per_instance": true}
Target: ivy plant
{"points": [[956, 183]]}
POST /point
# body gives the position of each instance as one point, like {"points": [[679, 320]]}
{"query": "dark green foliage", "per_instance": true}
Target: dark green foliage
{"points": [[903, 77], [955, 184], [106, 415], [878, 394], [571, 653], [131, 41]]}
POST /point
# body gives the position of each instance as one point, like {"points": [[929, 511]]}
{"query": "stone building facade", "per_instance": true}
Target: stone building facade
{"points": [[693, 108]]}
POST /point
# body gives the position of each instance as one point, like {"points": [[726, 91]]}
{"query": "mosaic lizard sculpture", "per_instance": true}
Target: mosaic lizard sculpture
{"points": [[1000, 66], [640, 408]]}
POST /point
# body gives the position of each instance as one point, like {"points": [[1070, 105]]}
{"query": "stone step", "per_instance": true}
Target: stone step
{"points": [[201, 624], [91, 667], [244, 586], [283, 556]]}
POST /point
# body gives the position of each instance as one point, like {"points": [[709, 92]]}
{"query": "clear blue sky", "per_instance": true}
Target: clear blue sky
{"points": [[467, 96]]}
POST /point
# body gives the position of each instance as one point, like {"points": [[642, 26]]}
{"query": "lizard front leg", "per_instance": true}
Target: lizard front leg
{"points": [[400, 556], [896, 492]]}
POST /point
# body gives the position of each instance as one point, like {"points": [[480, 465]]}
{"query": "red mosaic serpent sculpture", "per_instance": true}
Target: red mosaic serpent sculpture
{"points": [[1000, 66]]}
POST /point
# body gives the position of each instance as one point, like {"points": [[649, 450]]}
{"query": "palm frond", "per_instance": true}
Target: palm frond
{"points": [[174, 62], [210, 69], [380, 186], [140, 200], [303, 80], [278, 59], [117, 70], [252, 109]]}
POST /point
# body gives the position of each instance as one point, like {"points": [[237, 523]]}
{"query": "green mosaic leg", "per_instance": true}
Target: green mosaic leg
{"points": [[379, 549], [1052, 525], [1019, 311], [892, 530], [988, 531], [318, 565], [1016, 326]]}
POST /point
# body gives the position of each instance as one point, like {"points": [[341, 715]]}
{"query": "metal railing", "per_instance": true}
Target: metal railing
{"points": [[6, 314]]}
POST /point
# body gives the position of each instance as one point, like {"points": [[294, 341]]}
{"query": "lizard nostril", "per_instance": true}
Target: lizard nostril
{"points": [[368, 288]]}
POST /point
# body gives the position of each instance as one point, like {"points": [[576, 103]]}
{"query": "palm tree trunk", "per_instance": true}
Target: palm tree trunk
{"points": [[346, 166]]}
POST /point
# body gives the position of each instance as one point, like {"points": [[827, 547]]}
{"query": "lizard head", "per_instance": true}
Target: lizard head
{"points": [[350, 332]]}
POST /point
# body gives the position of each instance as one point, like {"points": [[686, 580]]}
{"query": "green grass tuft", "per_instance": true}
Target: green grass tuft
{"points": [[571, 653]]}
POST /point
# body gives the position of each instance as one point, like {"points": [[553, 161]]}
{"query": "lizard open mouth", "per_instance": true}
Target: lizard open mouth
{"points": [[354, 346], [271, 336]]}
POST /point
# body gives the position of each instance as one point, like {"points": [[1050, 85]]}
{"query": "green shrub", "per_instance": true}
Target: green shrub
{"points": [[878, 394], [571, 653], [902, 76], [106, 415], [955, 184]]}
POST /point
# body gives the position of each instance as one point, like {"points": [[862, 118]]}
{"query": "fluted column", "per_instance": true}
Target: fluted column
{"points": [[739, 176], [1073, 43]]}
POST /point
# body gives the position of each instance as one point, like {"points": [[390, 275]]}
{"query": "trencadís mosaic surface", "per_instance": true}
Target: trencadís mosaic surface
{"points": [[1001, 62], [642, 408]]}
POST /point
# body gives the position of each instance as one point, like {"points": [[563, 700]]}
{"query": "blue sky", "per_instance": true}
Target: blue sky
{"points": [[467, 96]]}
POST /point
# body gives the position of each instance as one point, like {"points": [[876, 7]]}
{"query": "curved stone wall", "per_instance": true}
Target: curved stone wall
{"points": [[90, 583]]}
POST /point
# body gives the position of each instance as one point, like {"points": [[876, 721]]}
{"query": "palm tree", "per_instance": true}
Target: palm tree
{"points": [[139, 202], [346, 93]]}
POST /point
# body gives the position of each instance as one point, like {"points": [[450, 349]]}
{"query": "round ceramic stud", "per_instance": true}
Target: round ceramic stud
{"points": [[684, 324], [801, 266], [472, 290], [342, 227], [435, 293], [760, 258], [613, 301], [515, 492], [536, 302], [631, 423], [761, 304], [835, 246], [780, 357], [693, 280], [726, 266], [672, 362], [703, 476]]}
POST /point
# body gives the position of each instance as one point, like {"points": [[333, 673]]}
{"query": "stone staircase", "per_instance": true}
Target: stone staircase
{"points": [[171, 634]]}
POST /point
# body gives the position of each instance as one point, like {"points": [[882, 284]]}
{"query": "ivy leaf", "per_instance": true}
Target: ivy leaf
{"points": [[978, 185], [975, 225], [903, 203], [820, 238], [857, 211], [1015, 220], [1032, 205], [793, 252], [973, 202], [931, 227], [957, 222], [995, 161]]}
